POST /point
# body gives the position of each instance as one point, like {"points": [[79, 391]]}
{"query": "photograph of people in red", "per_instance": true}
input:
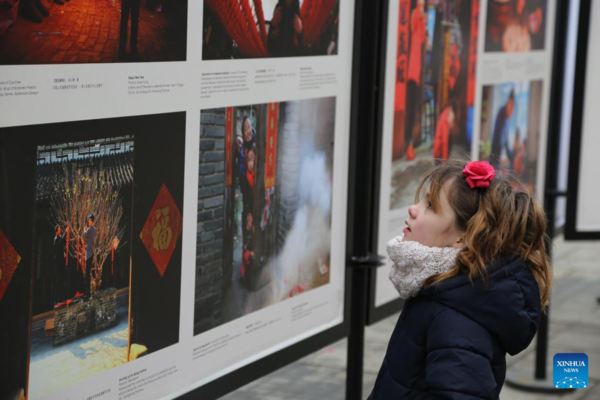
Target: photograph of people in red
{"points": [[92, 31], [269, 28], [515, 25], [436, 58], [510, 128], [264, 206]]}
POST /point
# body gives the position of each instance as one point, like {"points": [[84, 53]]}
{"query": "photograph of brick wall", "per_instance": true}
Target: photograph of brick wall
{"points": [[264, 206], [92, 31], [106, 201]]}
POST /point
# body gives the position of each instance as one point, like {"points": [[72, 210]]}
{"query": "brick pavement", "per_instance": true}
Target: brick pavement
{"points": [[87, 31]]}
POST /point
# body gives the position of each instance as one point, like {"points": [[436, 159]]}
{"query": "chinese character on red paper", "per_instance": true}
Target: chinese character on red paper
{"points": [[162, 229]]}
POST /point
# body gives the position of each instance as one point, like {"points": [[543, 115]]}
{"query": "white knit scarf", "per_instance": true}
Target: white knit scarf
{"points": [[414, 262]]}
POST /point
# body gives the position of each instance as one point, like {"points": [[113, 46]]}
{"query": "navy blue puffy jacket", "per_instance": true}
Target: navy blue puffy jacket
{"points": [[451, 340]]}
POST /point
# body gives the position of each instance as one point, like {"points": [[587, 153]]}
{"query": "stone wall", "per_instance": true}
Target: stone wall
{"points": [[289, 144], [209, 240], [84, 317], [304, 123]]}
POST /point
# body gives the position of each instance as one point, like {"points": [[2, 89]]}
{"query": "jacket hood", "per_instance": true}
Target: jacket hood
{"points": [[509, 308]]}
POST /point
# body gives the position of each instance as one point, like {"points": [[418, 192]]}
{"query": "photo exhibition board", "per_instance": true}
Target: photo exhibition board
{"points": [[461, 60], [173, 189], [587, 215]]}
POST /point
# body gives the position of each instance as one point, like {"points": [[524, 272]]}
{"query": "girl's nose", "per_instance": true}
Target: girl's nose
{"points": [[412, 211]]}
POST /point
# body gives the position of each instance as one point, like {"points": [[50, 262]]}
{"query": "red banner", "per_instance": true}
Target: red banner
{"points": [[402, 55], [473, 41], [9, 261], [162, 229], [271, 155], [228, 145]]}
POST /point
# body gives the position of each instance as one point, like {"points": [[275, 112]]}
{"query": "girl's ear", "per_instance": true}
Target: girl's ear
{"points": [[460, 243]]}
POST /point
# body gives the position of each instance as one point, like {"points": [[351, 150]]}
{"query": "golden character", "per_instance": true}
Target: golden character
{"points": [[162, 232]]}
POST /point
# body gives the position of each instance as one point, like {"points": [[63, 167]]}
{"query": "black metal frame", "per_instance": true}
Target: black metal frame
{"points": [[374, 313], [271, 363], [551, 191], [369, 31], [571, 232]]}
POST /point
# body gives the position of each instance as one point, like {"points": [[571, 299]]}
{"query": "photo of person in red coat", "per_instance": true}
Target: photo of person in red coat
{"points": [[441, 141], [435, 71]]}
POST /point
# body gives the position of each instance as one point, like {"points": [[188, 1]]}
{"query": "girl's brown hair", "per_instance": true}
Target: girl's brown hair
{"points": [[498, 221]]}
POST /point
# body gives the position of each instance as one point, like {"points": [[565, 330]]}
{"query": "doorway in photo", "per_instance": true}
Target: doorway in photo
{"points": [[102, 203]]}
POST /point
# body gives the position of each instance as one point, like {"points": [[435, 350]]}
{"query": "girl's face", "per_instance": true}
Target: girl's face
{"points": [[250, 161], [451, 118], [430, 228], [249, 222], [247, 130]]}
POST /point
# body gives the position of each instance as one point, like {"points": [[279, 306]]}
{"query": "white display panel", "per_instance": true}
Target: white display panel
{"points": [[141, 124], [588, 217], [482, 66]]}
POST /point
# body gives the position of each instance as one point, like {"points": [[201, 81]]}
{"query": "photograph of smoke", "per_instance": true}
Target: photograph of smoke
{"points": [[235, 29], [436, 58], [92, 31], [515, 25], [264, 206], [106, 199], [510, 128]]}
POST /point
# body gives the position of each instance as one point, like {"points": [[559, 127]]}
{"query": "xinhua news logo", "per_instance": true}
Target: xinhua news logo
{"points": [[571, 371]]}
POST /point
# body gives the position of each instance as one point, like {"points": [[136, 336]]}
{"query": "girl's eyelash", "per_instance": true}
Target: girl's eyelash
{"points": [[428, 204]]}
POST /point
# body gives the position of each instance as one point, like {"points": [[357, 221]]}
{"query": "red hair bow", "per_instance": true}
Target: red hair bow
{"points": [[479, 174]]}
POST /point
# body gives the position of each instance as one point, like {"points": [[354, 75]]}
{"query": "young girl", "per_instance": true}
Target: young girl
{"points": [[473, 268]]}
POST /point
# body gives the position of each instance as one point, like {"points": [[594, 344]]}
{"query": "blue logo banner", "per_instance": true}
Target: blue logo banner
{"points": [[571, 370]]}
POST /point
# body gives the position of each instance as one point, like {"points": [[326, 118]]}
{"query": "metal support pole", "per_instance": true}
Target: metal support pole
{"points": [[356, 339], [368, 42], [361, 268], [541, 354]]}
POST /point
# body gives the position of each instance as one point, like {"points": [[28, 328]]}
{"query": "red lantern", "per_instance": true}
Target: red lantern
{"points": [[83, 260], [115, 244]]}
